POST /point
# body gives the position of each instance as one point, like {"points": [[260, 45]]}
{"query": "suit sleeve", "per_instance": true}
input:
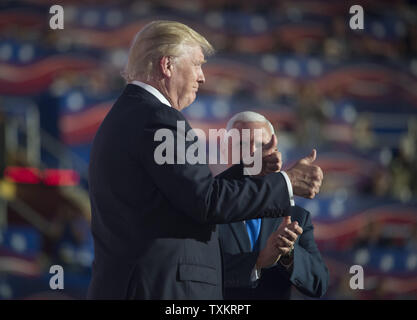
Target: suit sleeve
{"points": [[309, 272], [234, 172], [193, 190]]}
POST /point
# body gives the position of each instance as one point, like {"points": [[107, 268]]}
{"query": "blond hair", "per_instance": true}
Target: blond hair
{"points": [[156, 40]]}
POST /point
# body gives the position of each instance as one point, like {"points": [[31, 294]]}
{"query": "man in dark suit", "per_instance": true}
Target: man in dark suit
{"points": [[264, 257], [154, 223]]}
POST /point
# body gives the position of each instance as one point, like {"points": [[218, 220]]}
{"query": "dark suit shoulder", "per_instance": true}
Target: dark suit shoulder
{"points": [[161, 113], [137, 109], [147, 102]]}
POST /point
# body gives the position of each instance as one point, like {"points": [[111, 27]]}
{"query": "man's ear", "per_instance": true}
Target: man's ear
{"points": [[165, 65]]}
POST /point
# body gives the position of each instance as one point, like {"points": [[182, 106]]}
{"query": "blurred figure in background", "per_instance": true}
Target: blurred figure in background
{"points": [[403, 166]]}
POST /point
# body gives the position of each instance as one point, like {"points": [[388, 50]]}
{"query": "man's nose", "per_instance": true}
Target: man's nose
{"points": [[201, 79]]}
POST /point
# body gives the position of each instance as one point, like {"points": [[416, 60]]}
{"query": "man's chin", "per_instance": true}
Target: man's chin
{"points": [[186, 105]]}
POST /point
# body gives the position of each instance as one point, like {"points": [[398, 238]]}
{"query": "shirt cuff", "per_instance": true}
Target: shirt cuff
{"points": [[255, 274], [289, 186]]}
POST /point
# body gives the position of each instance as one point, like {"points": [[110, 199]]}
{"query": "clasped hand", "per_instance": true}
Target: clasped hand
{"points": [[280, 243]]}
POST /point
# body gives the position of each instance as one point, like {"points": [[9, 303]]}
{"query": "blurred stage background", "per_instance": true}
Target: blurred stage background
{"points": [[350, 94]]}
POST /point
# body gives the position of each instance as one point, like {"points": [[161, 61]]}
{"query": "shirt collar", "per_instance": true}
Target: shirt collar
{"points": [[155, 92]]}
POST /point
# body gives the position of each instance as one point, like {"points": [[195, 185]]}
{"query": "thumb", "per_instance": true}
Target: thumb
{"points": [[312, 156], [270, 146], [287, 220]]}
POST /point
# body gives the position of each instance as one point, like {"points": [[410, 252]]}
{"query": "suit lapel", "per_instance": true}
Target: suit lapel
{"points": [[268, 226], [241, 235]]}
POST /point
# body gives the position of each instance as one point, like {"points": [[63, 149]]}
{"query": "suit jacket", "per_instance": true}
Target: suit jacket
{"points": [[154, 225], [308, 274]]}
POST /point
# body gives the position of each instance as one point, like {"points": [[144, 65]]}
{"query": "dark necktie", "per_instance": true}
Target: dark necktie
{"points": [[254, 227]]}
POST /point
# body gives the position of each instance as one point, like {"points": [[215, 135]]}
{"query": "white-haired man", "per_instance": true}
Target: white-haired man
{"points": [[154, 226], [263, 258]]}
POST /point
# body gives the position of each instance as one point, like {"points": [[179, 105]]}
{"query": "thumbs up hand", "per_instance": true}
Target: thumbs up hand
{"points": [[306, 178], [270, 147], [271, 157], [310, 158]]}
